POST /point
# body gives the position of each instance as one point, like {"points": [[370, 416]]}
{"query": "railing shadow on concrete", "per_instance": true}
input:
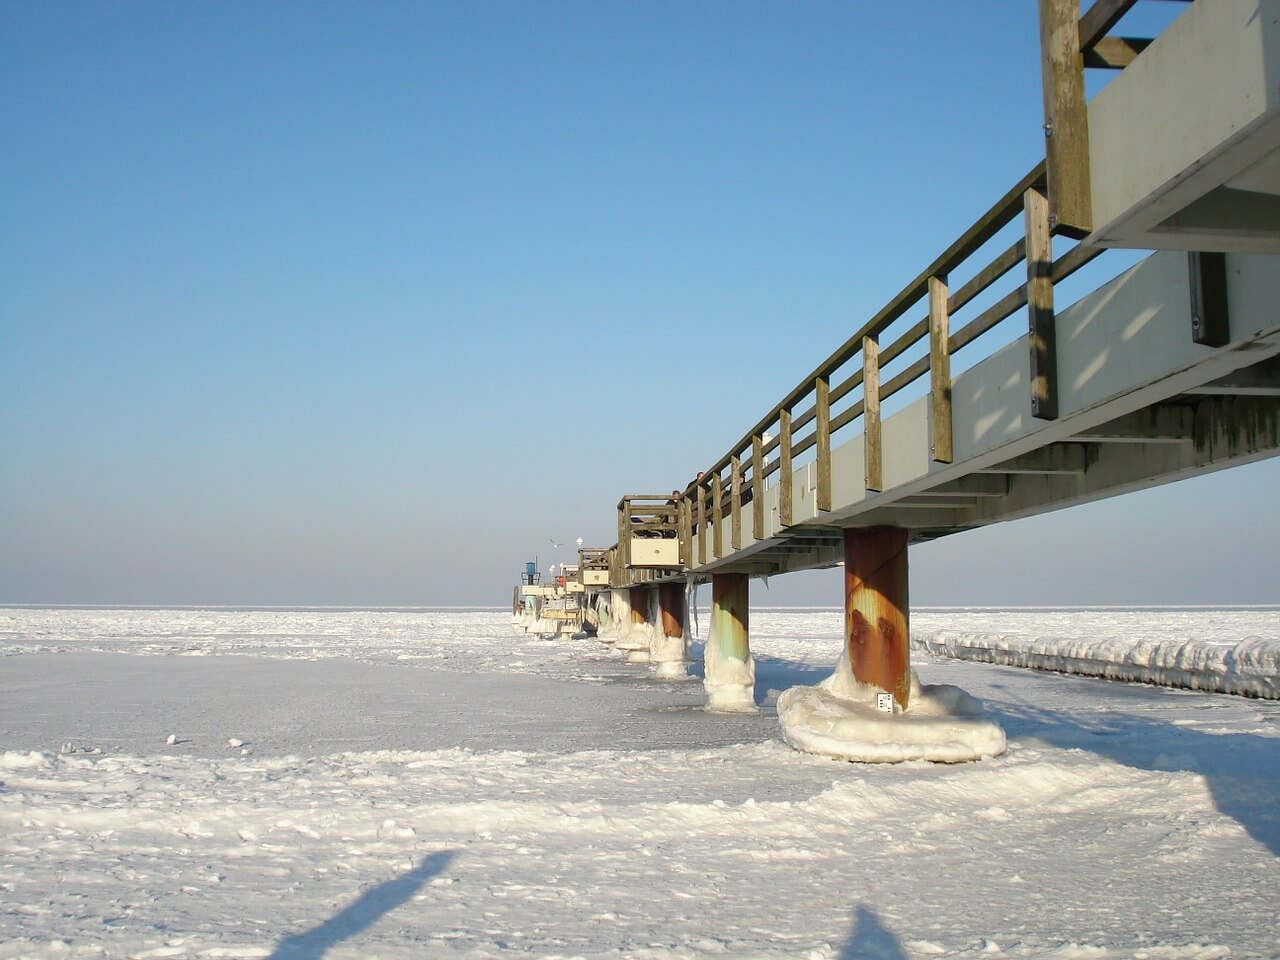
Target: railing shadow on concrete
{"points": [[362, 913], [1230, 763], [870, 939]]}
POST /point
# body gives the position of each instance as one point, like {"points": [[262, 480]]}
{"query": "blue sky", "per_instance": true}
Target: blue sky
{"points": [[296, 294]]}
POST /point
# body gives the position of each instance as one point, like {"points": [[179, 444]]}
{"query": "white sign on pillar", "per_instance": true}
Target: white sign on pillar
{"points": [[884, 702]]}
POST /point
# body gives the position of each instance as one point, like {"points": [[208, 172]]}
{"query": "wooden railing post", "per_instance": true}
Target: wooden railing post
{"points": [[1040, 325], [784, 467], [1066, 120], [686, 532], [757, 487], [940, 370], [822, 414], [702, 523], [871, 413], [624, 536], [717, 515], [735, 502]]}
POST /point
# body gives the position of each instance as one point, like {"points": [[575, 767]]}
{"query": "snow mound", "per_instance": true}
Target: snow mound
{"points": [[634, 639], [839, 718], [25, 760]]}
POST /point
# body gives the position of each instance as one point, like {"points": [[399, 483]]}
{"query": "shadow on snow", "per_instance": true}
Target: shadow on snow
{"points": [[362, 913], [870, 939], [1240, 769]]}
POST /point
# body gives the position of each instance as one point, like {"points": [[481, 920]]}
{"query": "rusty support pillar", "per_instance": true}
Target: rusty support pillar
{"points": [[730, 678], [635, 642], [672, 603], [875, 608], [639, 605], [669, 648]]}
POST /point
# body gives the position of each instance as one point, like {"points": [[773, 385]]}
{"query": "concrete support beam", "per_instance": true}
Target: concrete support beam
{"points": [[730, 678], [1058, 458], [1160, 424], [976, 485], [876, 608], [1260, 380]]}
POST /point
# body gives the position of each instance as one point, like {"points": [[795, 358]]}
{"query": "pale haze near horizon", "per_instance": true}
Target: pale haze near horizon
{"points": [[363, 306]]}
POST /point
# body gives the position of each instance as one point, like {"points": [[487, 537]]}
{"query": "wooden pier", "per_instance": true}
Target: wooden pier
{"points": [[1166, 370]]}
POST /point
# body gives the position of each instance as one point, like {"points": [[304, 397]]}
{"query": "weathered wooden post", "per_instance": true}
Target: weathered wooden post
{"points": [[730, 679], [669, 649], [876, 610]]}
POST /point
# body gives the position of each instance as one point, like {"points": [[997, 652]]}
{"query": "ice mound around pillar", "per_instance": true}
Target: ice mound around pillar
{"points": [[669, 656], [730, 683], [635, 640], [838, 718]]}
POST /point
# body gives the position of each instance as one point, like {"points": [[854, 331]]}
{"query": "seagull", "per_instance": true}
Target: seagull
{"points": [[554, 544]]}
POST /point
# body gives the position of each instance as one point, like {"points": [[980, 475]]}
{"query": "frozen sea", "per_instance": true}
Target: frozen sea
{"points": [[433, 783]]}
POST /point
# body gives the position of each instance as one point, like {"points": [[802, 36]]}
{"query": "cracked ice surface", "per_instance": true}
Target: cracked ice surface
{"points": [[436, 784]]}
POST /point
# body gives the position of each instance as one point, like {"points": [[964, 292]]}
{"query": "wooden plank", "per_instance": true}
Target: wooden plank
{"points": [[757, 487], [902, 379], [846, 418], [822, 390], [910, 337], [1002, 309], [842, 390], [1208, 274], [784, 464], [1099, 19], [1114, 53], [1066, 121], [735, 503], [1040, 320], [939, 370], [802, 420], [717, 516], [871, 414], [1075, 258], [1005, 261]]}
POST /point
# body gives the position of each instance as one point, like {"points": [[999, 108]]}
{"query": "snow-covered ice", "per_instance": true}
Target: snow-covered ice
{"points": [[438, 784]]}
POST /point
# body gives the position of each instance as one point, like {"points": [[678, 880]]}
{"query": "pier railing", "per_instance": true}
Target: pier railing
{"points": [[1053, 199], [837, 393]]}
